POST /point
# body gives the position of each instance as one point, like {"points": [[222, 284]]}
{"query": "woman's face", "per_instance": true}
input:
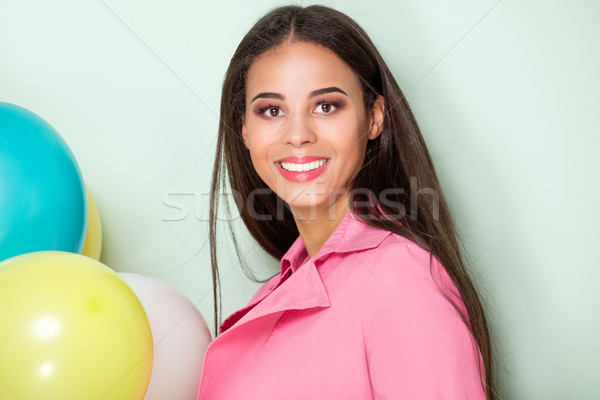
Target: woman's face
{"points": [[306, 126]]}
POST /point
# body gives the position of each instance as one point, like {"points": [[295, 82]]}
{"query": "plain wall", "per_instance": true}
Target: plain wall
{"points": [[506, 93]]}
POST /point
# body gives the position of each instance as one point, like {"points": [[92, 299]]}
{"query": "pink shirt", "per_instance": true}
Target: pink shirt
{"points": [[362, 319]]}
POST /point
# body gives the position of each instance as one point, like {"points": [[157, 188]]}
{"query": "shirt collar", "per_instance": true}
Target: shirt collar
{"points": [[350, 235]]}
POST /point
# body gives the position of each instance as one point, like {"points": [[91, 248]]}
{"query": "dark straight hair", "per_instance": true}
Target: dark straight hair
{"points": [[397, 158]]}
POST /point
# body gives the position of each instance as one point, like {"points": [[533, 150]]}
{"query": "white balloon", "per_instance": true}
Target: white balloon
{"points": [[180, 337]]}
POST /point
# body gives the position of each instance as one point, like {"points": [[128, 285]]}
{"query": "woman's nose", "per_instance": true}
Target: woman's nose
{"points": [[298, 131]]}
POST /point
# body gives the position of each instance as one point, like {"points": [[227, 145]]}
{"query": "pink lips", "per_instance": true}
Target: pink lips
{"points": [[301, 176]]}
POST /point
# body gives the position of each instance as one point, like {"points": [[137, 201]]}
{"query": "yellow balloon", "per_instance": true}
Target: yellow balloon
{"points": [[92, 246], [71, 329]]}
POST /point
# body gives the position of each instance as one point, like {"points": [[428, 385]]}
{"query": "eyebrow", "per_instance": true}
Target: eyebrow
{"points": [[278, 96]]}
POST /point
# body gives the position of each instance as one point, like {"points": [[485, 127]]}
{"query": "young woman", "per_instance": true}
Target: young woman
{"points": [[332, 177]]}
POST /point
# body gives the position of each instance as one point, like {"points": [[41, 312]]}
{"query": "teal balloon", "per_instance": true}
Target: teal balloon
{"points": [[42, 195]]}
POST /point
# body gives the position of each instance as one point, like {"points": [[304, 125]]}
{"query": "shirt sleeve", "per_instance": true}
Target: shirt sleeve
{"points": [[416, 344]]}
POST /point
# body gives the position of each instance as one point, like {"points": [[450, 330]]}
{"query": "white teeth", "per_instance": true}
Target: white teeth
{"points": [[303, 167]]}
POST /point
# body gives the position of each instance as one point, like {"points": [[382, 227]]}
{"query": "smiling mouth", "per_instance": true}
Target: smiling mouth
{"points": [[293, 167]]}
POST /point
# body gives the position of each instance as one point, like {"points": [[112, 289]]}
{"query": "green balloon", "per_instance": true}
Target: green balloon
{"points": [[42, 194]]}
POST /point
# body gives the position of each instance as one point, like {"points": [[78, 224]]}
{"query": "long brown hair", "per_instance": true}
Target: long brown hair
{"points": [[397, 158]]}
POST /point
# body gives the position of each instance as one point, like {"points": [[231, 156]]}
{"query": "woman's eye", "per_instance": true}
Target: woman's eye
{"points": [[272, 112], [326, 107]]}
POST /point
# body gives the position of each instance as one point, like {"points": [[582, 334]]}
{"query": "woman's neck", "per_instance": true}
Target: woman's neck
{"points": [[316, 225]]}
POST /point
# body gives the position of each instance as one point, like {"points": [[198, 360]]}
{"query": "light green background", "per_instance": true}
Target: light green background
{"points": [[506, 93]]}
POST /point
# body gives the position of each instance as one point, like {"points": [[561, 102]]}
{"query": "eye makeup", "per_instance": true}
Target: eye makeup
{"points": [[330, 102]]}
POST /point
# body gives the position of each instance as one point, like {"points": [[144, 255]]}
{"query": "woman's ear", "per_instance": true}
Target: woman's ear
{"points": [[377, 117], [244, 133]]}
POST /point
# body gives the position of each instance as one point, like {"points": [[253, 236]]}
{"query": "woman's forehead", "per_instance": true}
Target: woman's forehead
{"points": [[299, 67]]}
